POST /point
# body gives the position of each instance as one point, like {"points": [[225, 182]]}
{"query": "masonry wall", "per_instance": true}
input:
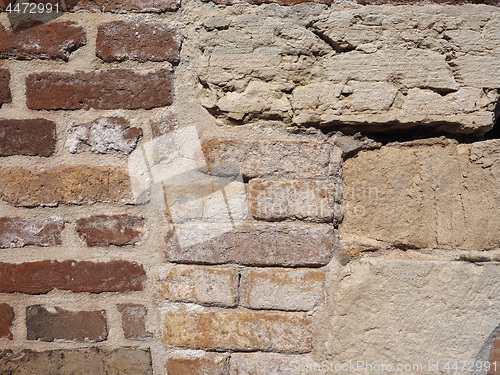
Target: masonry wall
{"points": [[227, 187]]}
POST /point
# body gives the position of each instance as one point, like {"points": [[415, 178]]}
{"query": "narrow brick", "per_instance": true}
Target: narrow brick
{"points": [[35, 137], [120, 40], [105, 230], [110, 89], [44, 276], [66, 184], [239, 330], [209, 363], [47, 324], [5, 96], [254, 244], [95, 361], [281, 2], [275, 288], [273, 363], [6, 321], [18, 232], [281, 199], [55, 40], [199, 284], [274, 158], [133, 321]]}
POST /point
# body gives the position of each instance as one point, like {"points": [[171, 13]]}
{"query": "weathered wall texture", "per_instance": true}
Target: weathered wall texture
{"points": [[250, 188]]}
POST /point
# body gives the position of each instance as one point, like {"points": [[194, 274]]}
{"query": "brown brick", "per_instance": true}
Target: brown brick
{"points": [[36, 137], [59, 324], [256, 244], [110, 89], [120, 40], [105, 230], [66, 184], [133, 321], [496, 343], [494, 356], [18, 232], [199, 284], [282, 289], [55, 40], [95, 361], [239, 330], [6, 321], [280, 199], [208, 364], [5, 96], [44, 276]]}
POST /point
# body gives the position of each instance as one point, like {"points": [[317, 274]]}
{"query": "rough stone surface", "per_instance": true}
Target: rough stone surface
{"points": [[6, 321], [44, 276], [256, 244], [18, 232], [133, 321], [199, 284], [281, 199], [5, 96], [36, 137], [119, 41], [115, 6], [435, 195], [49, 324], [66, 184], [239, 330], [46, 41], [274, 158], [95, 361], [210, 363], [281, 2], [105, 230], [102, 135], [281, 289], [109, 89], [272, 363]]}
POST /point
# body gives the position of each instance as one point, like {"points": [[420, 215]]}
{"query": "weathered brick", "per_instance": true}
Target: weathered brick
{"points": [[274, 158], [281, 2], [273, 363], [109, 89], [275, 288], [105, 230], [18, 232], [382, 2], [66, 184], [95, 361], [45, 41], [115, 6], [47, 324], [5, 96], [207, 364], [293, 199], [200, 284], [36, 137], [102, 135], [133, 321], [6, 321], [239, 330], [77, 276], [255, 244], [120, 40]]}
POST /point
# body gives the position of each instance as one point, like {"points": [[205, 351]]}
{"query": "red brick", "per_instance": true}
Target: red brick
{"points": [[6, 321], [18, 232], [46, 41], [44, 276], [281, 2], [116, 6], [66, 184], [120, 40], [209, 363], [35, 137], [105, 230], [82, 326], [5, 96], [109, 89], [133, 321]]}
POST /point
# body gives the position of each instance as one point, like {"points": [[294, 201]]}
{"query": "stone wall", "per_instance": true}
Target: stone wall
{"points": [[249, 188]]}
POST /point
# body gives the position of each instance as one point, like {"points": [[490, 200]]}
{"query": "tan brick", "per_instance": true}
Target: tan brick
{"points": [[276, 288], [293, 199], [200, 284], [239, 330], [208, 364], [272, 363]]}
